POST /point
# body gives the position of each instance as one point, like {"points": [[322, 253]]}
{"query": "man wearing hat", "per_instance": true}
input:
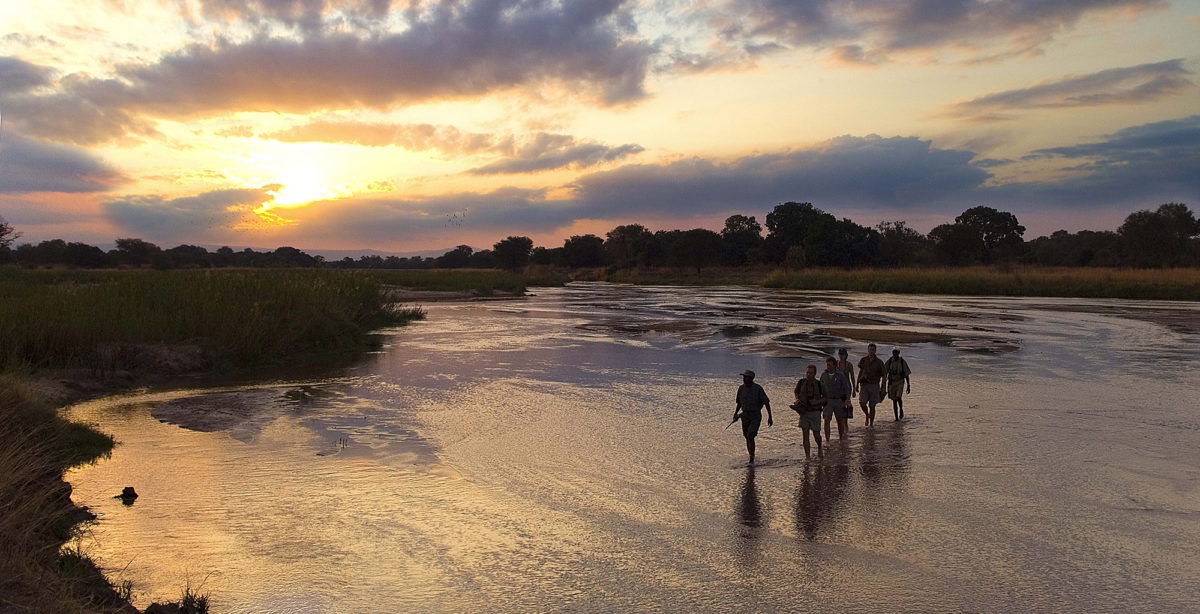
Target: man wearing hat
{"points": [[870, 376], [897, 379], [751, 398]]}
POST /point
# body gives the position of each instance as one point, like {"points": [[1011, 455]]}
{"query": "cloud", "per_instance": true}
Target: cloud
{"points": [[1141, 164], [414, 137], [551, 151], [898, 172], [204, 214], [848, 170], [17, 75], [28, 165], [1128, 85], [872, 29], [538, 152], [861, 175], [452, 50]]}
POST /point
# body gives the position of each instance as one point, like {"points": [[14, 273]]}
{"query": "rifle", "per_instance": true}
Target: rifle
{"points": [[735, 419]]}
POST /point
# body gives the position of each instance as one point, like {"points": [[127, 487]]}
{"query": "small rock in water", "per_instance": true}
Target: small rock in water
{"points": [[127, 496]]}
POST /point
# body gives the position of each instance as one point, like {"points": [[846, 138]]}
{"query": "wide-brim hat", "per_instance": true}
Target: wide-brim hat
{"points": [[747, 373]]}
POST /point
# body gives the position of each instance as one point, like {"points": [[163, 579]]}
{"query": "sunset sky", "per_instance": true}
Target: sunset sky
{"points": [[404, 126]]}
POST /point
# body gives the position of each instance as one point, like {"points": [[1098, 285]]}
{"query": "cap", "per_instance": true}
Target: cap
{"points": [[747, 373]]}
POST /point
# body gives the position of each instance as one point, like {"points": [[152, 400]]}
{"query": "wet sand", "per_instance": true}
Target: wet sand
{"points": [[566, 452]]}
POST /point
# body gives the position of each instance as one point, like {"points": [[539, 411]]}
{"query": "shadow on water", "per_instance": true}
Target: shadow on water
{"points": [[882, 461], [883, 456], [822, 490], [750, 517]]}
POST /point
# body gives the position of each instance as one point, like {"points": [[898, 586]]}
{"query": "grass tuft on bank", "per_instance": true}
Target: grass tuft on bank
{"points": [[113, 319], [1150, 284]]}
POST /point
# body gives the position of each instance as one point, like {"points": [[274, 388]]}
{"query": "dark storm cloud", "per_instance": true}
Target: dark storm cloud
{"points": [[861, 171], [28, 165], [537, 152], [451, 50], [874, 28], [1127, 85], [154, 216], [1146, 163]]}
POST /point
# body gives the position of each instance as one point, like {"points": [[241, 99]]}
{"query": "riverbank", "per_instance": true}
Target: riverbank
{"points": [[73, 335], [1146, 284]]}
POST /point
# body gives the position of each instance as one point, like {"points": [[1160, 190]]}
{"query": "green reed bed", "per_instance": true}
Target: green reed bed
{"points": [[1157, 284], [75, 319]]}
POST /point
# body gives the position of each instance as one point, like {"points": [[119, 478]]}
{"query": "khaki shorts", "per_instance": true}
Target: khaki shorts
{"points": [[895, 390], [811, 420], [868, 394], [836, 408]]}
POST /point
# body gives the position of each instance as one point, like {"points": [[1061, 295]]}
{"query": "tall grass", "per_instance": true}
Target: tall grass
{"points": [[36, 513], [72, 318], [1160, 284]]}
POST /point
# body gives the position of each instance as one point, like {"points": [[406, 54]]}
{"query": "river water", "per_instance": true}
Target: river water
{"points": [[566, 451]]}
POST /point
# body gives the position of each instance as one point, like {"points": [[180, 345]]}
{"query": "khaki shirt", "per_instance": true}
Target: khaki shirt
{"points": [[836, 385], [752, 397], [897, 368], [806, 391], [870, 369]]}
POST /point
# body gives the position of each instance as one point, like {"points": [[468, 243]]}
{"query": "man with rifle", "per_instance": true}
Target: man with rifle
{"points": [[751, 398]]}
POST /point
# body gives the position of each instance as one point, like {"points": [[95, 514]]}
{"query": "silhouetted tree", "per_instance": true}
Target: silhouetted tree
{"points": [[999, 231], [86, 256], [1084, 248], [956, 244], [512, 253], [137, 252], [581, 251], [900, 245], [1160, 238], [291, 257], [189, 256], [741, 240], [627, 246], [8, 234], [551, 257], [826, 240], [699, 247], [457, 258], [482, 259]]}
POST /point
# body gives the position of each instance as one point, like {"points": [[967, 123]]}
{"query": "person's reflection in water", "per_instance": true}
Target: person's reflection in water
{"points": [[821, 492], [750, 517]]}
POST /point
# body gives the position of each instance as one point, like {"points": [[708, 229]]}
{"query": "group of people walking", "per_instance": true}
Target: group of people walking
{"points": [[829, 397]]}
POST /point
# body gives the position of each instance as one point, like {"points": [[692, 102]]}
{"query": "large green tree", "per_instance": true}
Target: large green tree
{"points": [[584, 251], [1164, 237], [741, 240], [999, 231], [512, 253], [628, 246]]}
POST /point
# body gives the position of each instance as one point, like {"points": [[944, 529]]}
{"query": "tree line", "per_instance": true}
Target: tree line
{"points": [[796, 235]]}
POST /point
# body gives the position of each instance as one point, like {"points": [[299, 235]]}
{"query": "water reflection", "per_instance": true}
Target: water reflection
{"points": [[750, 517], [818, 502]]}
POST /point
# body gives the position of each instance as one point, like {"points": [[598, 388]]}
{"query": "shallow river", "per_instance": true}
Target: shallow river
{"points": [[566, 451]]}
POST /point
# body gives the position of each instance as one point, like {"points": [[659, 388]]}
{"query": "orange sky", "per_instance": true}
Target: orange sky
{"points": [[403, 126]]}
